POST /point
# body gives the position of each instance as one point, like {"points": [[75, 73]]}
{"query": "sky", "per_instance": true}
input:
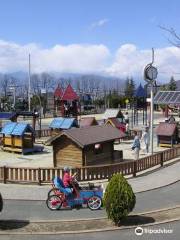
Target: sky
{"points": [[109, 37]]}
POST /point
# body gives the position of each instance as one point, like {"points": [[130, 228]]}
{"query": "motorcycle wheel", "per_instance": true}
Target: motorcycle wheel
{"points": [[54, 202], [94, 203]]}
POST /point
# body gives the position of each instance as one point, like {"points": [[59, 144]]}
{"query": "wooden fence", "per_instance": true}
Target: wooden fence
{"points": [[45, 175], [42, 133]]}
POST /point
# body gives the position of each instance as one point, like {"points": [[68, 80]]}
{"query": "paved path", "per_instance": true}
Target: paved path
{"points": [[161, 177], [37, 210]]}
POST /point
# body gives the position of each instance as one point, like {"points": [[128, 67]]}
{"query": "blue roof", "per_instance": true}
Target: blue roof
{"points": [[63, 123], [16, 129], [140, 92], [7, 115], [8, 128], [56, 123]]}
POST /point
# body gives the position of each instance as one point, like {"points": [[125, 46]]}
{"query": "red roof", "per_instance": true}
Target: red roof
{"points": [[58, 92], [69, 94], [166, 129], [116, 122], [88, 121]]}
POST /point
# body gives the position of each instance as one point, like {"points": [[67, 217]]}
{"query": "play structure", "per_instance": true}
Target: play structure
{"points": [[167, 134], [139, 103], [117, 123], [66, 102], [59, 124], [17, 137], [112, 113], [87, 121], [86, 146]]}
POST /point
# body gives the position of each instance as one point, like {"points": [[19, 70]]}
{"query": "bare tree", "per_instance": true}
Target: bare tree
{"points": [[35, 83], [78, 85], [4, 84], [174, 36], [84, 84], [47, 81]]}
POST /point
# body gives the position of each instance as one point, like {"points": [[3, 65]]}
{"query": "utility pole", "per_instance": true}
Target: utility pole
{"points": [[29, 87]]}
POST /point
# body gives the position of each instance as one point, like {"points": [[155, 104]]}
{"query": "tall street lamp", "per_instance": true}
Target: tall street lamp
{"points": [[150, 74]]}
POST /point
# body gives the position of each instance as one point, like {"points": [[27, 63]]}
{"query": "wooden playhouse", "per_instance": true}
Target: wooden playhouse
{"points": [[59, 124], [87, 121], [167, 134], [117, 123], [17, 137], [113, 113], [86, 146]]}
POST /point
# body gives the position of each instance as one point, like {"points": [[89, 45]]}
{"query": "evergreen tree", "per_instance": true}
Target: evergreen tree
{"points": [[129, 88], [172, 84]]}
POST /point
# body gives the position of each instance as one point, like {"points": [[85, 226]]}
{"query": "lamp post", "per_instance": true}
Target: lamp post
{"points": [[150, 74]]}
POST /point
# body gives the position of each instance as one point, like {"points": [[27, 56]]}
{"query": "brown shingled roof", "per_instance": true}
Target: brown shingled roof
{"points": [[91, 135], [166, 129], [88, 121]]}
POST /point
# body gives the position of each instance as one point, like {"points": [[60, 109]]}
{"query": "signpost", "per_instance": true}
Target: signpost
{"points": [[150, 74]]}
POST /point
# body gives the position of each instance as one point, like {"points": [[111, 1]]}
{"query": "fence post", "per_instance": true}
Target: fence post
{"points": [[39, 176], [135, 168], [161, 160], [4, 174]]}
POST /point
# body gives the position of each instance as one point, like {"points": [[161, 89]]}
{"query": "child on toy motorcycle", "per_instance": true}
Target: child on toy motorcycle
{"points": [[68, 179]]}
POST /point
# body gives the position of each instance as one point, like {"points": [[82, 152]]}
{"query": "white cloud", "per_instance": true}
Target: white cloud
{"points": [[75, 58], [100, 23], [128, 60]]}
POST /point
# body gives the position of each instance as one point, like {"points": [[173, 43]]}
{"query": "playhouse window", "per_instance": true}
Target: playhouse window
{"points": [[98, 148]]}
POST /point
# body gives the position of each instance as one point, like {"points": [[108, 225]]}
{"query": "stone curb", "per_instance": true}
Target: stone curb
{"points": [[97, 230]]}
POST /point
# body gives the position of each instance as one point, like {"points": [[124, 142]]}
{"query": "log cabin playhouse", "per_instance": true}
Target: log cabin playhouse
{"points": [[87, 146]]}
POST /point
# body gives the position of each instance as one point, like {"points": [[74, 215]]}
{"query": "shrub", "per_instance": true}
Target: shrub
{"points": [[119, 198]]}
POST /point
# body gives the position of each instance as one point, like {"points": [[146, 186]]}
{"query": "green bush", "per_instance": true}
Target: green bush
{"points": [[119, 198]]}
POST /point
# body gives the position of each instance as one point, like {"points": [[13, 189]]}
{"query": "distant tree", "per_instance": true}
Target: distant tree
{"points": [[164, 87], [129, 88], [172, 84], [4, 84], [99, 102], [47, 83], [113, 99], [78, 86], [35, 83], [84, 84]]}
